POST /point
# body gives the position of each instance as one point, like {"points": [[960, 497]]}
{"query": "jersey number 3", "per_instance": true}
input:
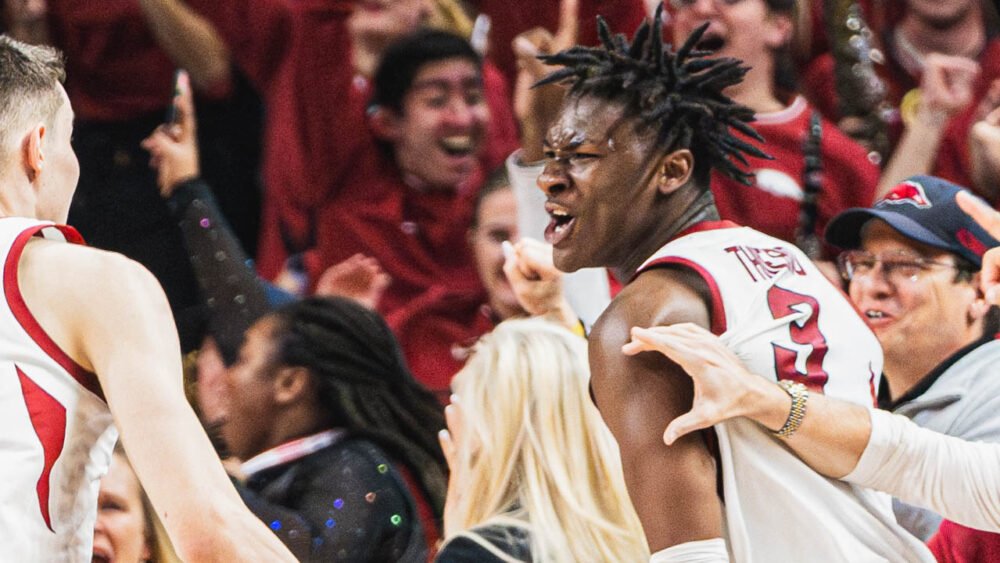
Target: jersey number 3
{"points": [[801, 358]]}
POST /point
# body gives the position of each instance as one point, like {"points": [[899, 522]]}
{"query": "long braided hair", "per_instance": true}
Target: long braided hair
{"points": [[676, 94], [364, 383]]}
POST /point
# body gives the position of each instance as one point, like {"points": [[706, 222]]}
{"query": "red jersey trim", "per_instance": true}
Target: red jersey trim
{"points": [[48, 418], [706, 226], [718, 310], [86, 378]]}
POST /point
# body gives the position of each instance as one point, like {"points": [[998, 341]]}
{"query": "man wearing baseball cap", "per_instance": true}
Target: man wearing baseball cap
{"points": [[912, 268]]}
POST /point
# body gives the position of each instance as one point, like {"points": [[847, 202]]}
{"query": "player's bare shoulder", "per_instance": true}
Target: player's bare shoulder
{"points": [[75, 291], [660, 296]]}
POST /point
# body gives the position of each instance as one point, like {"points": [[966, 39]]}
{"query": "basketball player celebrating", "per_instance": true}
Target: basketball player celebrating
{"points": [[87, 340], [627, 185]]}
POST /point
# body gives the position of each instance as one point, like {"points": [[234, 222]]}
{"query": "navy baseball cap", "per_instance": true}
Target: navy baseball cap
{"points": [[921, 208]]}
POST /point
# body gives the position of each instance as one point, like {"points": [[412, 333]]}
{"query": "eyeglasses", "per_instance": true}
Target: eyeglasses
{"points": [[897, 267], [678, 4]]}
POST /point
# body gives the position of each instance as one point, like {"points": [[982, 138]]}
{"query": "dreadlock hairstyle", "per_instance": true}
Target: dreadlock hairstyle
{"points": [[677, 94], [364, 383]]}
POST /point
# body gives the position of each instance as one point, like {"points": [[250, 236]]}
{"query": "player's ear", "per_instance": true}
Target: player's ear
{"points": [[32, 153], [291, 384], [674, 170]]}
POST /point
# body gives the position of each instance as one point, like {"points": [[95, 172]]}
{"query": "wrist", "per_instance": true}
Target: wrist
{"points": [[767, 404]]}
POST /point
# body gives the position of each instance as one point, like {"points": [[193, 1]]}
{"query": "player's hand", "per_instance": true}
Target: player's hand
{"points": [[359, 277], [536, 282], [989, 219], [173, 148], [536, 108], [723, 388], [946, 87]]}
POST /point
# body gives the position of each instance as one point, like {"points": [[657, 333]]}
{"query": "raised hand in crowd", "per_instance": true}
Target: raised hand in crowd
{"points": [[360, 278], [988, 219], [535, 108], [25, 20], [984, 146], [536, 282], [945, 89], [173, 147]]}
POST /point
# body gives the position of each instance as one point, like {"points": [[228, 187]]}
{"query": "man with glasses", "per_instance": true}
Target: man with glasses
{"points": [[913, 273]]}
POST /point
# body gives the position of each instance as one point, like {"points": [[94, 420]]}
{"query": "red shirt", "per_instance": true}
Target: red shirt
{"points": [[297, 56], [509, 18], [954, 543], [772, 203], [115, 71]]}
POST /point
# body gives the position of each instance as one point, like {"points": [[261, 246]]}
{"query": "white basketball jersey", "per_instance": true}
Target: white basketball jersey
{"points": [[785, 320], [57, 431]]}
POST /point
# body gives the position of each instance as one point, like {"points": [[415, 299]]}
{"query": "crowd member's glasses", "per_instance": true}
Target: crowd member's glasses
{"points": [[678, 4], [897, 267]]}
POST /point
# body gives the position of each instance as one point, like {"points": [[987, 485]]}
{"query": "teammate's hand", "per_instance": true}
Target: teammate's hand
{"points": [[723, 388], [989, 219], [173, 147]]}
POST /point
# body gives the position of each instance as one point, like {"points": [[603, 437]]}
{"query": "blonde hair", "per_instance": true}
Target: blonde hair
{"points": [[160, 548], [534, 452], [29, 88]]}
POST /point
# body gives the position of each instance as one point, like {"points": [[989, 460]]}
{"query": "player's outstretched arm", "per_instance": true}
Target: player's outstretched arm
{"points": [[673, 489], [110, 315], [875, 449]]}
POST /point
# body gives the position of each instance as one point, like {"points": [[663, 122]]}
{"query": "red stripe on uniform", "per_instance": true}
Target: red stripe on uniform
{"points": [[718, 310], [28, 321], [48, 417]]}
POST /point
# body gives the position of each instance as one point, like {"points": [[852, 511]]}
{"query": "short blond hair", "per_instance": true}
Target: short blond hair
{"points": [[29, 92], [535, 454]]}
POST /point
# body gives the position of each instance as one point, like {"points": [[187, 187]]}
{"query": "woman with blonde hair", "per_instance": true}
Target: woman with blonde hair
{"points": [[535, 474]]}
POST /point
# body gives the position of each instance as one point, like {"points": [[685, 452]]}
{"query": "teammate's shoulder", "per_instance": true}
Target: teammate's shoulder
{"points": [[74, 265]]}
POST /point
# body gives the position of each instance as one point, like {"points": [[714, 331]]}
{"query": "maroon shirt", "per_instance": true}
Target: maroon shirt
{"points": [[115, 71], [510, 18], [772, 204]]}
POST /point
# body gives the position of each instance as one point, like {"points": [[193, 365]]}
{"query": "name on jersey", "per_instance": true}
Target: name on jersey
{"points": [[766, 263]]}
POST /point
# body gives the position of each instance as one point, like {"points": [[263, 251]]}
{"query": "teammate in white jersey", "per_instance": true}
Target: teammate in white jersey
{"points": [[626, 181], [70, 312]]}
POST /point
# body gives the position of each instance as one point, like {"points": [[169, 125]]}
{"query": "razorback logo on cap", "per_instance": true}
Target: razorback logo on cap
{"points": [[907, 192]]}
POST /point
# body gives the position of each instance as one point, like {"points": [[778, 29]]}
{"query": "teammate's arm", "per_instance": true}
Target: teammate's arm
{"points": [[110, 315], [874, 449], [673, 489]]}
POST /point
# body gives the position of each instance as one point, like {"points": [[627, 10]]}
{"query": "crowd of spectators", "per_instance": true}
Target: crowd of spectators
{"points": [[322, 189]]}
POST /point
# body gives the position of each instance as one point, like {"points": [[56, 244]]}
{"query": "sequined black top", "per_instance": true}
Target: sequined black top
{"points": [[355, 505], [513, 542], [233, 294]]}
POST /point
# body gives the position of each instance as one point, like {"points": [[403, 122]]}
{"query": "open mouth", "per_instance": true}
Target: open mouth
{"points": [[560, 224], [458, 145], [711, 42], [101, 556]]}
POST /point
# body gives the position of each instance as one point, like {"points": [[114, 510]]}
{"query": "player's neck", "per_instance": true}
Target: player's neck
{"points": [[966, 37], [683, 210], [16, 197]]}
